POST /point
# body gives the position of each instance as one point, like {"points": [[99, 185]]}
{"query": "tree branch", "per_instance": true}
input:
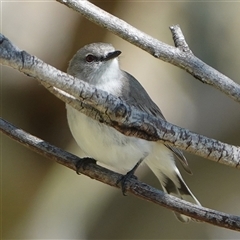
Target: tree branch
{"points": [[109, 177], [114, 112], [177, 56]]}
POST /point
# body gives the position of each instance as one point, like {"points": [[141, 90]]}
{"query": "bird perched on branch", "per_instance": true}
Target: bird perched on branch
{"points": [[97, 64]]}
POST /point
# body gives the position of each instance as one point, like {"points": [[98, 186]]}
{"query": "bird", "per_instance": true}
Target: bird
{"points": [[98, 65]]}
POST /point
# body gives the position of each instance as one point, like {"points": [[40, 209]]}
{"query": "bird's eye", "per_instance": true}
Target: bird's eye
{"points": [[90, 58]]}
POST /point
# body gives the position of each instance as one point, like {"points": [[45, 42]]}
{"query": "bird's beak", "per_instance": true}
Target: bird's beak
{"points": [[112, 55]]}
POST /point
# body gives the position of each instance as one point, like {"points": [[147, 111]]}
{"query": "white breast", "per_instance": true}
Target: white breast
{"points": [[105, 144], [99, 141]]}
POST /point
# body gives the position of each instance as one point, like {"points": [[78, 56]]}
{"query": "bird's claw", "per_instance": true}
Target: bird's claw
{"points": [[82, 163], [124, 179]]}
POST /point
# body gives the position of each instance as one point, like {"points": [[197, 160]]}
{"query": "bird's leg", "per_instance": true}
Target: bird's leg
{"points": [[83, 162], [123, 180]]}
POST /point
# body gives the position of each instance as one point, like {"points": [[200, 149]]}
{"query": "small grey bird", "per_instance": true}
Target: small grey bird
{"points": [[97, 64]]}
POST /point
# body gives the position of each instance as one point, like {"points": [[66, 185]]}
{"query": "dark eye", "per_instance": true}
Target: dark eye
{"points": [[90, 58]]}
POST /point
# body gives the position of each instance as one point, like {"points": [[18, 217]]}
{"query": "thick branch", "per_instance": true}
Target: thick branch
{"points": [[116, 113], [177, 56], [113, 111], [106, 176]]}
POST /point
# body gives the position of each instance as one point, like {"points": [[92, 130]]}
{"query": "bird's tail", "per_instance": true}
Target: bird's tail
{"points": [[174, 184], [181, 191]]}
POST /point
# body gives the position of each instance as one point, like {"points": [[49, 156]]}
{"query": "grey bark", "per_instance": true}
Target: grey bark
{"points": [[116, 113]]}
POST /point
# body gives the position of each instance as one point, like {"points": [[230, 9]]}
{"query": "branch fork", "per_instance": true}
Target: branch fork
{"points": [[114, 112]]}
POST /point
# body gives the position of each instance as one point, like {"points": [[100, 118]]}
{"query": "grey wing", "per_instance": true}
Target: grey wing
{"points": [[181, 158], [138, 97]]}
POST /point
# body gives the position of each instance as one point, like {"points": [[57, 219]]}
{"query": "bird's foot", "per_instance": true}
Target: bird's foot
{"points": [[83, 162], [124, 179]]}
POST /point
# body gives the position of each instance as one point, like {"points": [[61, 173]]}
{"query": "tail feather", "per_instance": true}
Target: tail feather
{"points": [[172, 183], [181, 191], [162, 163]]}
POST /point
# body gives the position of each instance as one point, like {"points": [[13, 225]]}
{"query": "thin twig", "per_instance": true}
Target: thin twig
{"points": [[179, 39], [125, 118], [113, 111], [109, 177], [183, 59]]}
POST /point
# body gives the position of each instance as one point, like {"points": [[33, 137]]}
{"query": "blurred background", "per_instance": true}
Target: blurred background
{"points": [[44, 200]]}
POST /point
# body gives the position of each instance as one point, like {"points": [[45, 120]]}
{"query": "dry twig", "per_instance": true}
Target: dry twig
{"points": [[109, 177], [116, 113]]}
